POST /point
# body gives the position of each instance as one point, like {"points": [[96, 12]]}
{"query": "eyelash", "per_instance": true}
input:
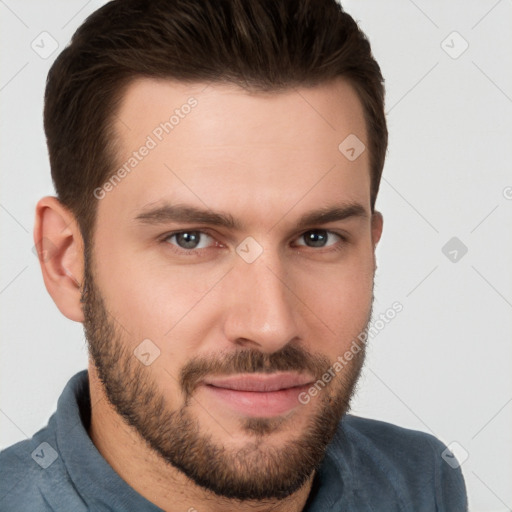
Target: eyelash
{"points": [[343, 240], [189, 252]]}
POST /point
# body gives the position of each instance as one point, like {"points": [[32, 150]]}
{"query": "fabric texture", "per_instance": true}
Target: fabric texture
{"points": [[369, 466]]}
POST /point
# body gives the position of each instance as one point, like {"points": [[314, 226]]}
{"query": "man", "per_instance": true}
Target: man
{"points": [[217, 166]]}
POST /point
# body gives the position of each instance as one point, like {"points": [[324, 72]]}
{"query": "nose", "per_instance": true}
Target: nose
{"points": [[260, 310]]}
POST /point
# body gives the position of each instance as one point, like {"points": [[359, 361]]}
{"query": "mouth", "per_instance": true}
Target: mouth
{"points": [[258, 395]]}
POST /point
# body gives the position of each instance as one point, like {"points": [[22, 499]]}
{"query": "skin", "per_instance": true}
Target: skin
{"points": [[266, 159]]}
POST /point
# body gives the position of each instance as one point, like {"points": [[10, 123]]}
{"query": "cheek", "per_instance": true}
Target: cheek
{"points": [[150, 298], [339, 296]]}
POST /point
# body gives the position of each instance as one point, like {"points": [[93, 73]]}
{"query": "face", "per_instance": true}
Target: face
{"points": [[232, 264]]}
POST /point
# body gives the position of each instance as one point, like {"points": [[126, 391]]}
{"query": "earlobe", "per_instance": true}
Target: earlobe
{"points": [[60, 246]]}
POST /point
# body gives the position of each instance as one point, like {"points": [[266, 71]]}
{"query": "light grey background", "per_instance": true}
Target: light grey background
{"points": [[443, 365]]}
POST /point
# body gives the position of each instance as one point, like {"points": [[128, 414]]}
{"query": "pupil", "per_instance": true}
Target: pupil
{"points": [[188, 240], [316, 238]]}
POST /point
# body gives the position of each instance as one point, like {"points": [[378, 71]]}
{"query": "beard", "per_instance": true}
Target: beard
{"points": [[258, 470]]}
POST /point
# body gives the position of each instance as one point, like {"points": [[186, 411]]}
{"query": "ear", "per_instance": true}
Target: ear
{"points": [[377, 225], [60, 247]]}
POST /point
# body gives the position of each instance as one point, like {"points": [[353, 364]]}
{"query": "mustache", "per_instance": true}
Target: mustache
{"points": [[289, 358]]}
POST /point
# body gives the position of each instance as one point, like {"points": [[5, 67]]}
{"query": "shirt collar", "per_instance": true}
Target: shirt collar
{"points": [[94, 479]]}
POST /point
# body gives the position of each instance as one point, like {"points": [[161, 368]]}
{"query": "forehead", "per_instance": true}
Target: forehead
{"points": [[224, 147]]}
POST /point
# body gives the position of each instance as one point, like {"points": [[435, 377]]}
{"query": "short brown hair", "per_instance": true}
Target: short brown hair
{"points": [[266, 45]]}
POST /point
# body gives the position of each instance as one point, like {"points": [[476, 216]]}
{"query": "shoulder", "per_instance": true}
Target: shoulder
{"points": [[33, 476], [411, 465]]}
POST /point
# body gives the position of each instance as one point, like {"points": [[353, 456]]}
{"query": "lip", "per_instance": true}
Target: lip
{"points": [[258, 395], [259, 382]]}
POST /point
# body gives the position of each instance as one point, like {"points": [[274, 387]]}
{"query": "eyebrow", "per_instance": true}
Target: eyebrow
{"points": [[190, 214], [332, 214]]}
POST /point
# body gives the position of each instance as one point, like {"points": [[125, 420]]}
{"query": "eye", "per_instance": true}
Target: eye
{"points": [[319, 238], [190, 240]]}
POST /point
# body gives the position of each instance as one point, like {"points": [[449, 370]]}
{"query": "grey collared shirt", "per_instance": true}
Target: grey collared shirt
{"points": [[368, 466]]}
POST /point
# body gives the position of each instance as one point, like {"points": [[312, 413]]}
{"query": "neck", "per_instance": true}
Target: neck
{"points": [[156, 480]]}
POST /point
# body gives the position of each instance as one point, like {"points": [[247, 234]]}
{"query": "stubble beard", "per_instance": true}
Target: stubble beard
{"points": [[259, 470]]}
